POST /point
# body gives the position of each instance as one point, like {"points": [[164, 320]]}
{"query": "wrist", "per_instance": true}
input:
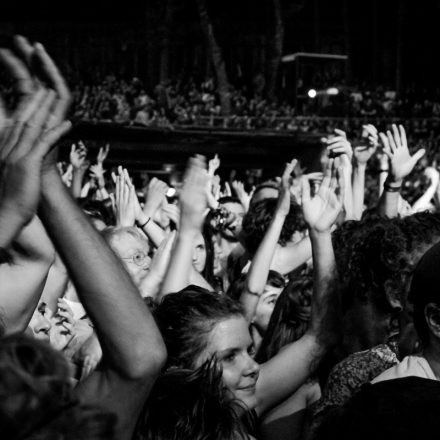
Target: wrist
{"points": [[142, 220], [360, 166], [319, 233], [392, 185]]}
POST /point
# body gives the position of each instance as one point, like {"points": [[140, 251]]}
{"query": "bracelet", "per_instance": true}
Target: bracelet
{"points": [[388, 188], [383, 171], [145, 224]]}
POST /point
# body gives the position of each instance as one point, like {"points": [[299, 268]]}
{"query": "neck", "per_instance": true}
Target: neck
{"points": [[432, 354]]}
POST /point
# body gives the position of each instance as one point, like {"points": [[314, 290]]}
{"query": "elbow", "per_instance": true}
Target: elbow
{"points": [[147, 361]]}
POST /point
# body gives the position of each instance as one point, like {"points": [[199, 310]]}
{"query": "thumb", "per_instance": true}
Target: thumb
{"points": [[418, 155]]}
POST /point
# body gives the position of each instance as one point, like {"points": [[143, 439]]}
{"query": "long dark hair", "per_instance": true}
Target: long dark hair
{"points": [[189, 404], [290, 317]]}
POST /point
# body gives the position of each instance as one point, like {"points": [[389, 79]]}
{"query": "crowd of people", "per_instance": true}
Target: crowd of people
{"points": [[306, 307], [185, 102]]}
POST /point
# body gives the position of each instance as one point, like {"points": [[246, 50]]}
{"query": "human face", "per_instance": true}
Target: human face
{"points": [[265, 306], [237, 210], [40, 323], [126, 247], [199, 254], [231, 343]]}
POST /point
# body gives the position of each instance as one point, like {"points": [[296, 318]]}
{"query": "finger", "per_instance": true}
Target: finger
{"points": [[391, 142], [305, 189], [3, 118], [114, 177], [341, 133], [24, 82], [336, 139], [50, 138], [418, 156], [396, 136], [34, 126], [388, 153], [384, 140], [56, 81], [403, 136], [327, 174], [20, 117]]}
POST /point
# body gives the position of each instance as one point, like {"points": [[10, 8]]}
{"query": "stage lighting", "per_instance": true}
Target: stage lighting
{"points": [[312, 93], [171, 192], [332, 91]]}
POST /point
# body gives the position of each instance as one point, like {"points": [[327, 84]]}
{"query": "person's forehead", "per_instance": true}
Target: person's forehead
{"points": [[229, 333], [126, 241]]}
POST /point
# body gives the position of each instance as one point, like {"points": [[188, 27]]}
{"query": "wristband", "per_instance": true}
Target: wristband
{"points": [[388, 188], [383, 171], [146, 223]]}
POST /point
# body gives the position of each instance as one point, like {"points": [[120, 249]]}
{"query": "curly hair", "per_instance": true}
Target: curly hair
{"points": [[37, 400], [185, 320], [376, 256], [258, 218]]}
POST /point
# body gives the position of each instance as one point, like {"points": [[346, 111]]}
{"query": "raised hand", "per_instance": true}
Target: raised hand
{"points": [[78, 157], [321, 211], [242, 195], [193, 200], [97, 172], [61, 332], [89, 356], [26, 137], [370, 137], [395, 146], [102, 154], [171, 211], [156, 196], [339, 144], [283, 205], [126, 208], [213, 165]]}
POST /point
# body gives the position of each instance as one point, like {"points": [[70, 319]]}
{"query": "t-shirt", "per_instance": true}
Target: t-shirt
{"points": [[410, 366]]}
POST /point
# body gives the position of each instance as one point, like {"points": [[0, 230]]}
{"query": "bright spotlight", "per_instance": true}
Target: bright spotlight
{"points": [[171, 192], [312, 93], [332, 91]]}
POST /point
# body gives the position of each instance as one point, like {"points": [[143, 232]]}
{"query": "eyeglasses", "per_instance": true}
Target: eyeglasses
{"points": [[139, 258]]}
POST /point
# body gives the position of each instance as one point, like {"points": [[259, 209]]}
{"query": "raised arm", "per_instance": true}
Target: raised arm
{"points": [[339, 147], [133, 348], [423, 202], [192, 211], [395, 146], [26, 252], [290, 368], [362, 155], [260, 266]]}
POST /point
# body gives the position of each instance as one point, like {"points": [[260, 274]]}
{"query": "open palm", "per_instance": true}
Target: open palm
{"points": [[321, 211]]}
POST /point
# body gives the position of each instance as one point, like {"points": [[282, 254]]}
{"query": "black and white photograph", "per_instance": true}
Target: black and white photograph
{"points": [[219, 220]]}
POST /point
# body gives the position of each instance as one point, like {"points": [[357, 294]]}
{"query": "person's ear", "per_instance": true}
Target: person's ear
{"points": [[432, 317]]}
